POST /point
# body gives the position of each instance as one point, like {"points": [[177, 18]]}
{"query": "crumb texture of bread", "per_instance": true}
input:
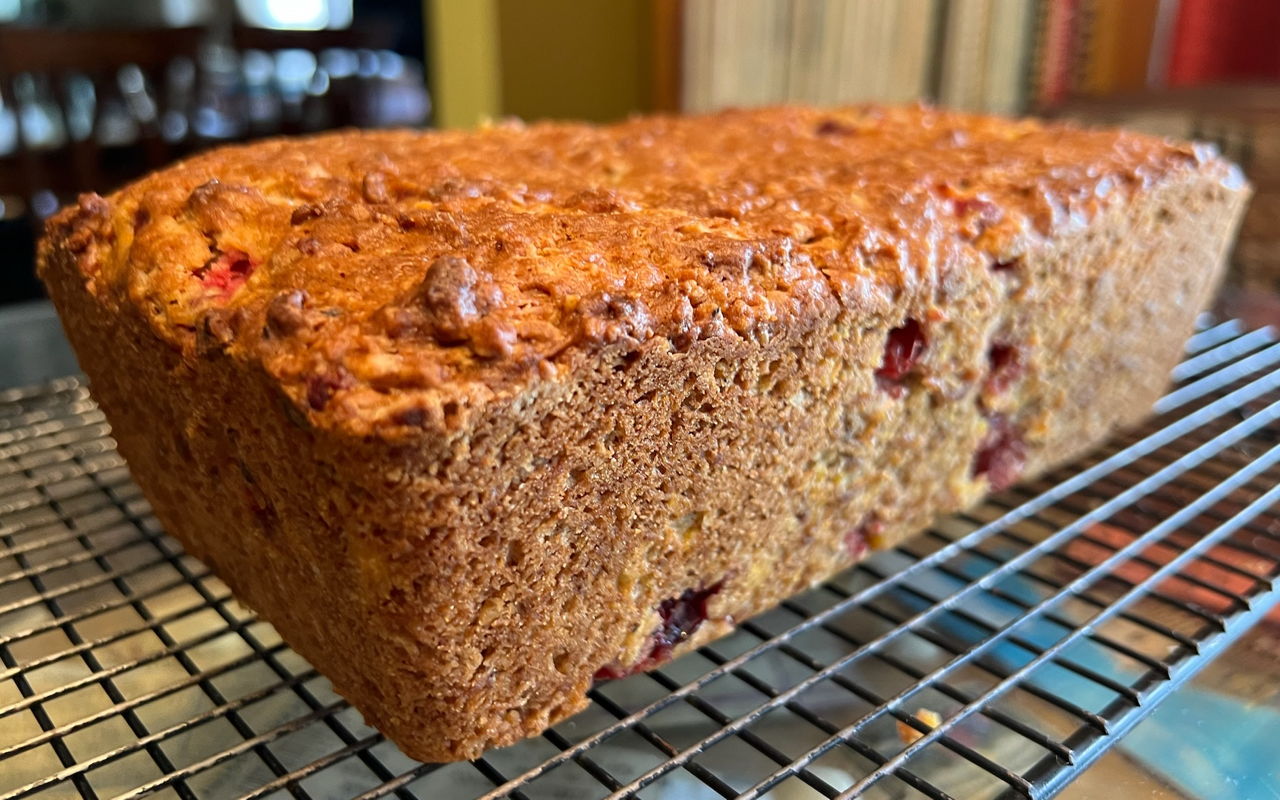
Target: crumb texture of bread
{"points": [[479, 418]]}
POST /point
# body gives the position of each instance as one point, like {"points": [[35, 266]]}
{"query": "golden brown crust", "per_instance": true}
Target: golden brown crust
{"points": [[383, 276], [713, 361]]}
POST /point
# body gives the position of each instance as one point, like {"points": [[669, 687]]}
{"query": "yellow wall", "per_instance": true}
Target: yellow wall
{"points": [[576, 59], [462, 48], [535, 59]]}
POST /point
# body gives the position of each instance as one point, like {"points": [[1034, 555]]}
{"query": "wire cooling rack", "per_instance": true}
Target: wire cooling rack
{"points": [[996, 655]]}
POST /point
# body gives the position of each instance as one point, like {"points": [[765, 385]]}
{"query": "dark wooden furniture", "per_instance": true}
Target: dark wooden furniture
{"points": [[127, 71], [340, 105], [365, 37]]}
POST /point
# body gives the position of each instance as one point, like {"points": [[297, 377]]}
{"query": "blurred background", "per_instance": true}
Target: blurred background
{"points": [[94, 93]]}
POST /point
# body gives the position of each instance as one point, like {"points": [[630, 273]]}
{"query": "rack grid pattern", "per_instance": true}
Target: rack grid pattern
{"points": [[996, 655]]}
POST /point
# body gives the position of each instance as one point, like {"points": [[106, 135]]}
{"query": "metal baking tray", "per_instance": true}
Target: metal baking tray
{"points": [[996, 655]]}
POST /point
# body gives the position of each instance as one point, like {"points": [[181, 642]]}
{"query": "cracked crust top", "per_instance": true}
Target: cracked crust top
{"points": [[391, 281]]}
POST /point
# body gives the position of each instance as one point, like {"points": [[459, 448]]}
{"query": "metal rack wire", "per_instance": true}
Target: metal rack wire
{"points": [[996, 655]]}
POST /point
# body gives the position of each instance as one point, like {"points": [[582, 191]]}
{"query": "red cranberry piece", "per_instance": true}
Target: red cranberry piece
{"points": [[831, 127], [321, 388], [979, 214], [681, 617], [1001, 455], [1006, 367], [227, 272], [1004, 266], [983, 208], [858, 540], [902, 351], [610, 672]]}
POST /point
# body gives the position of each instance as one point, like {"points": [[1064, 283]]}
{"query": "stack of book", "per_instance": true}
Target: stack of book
{"points": [[1099, 48], [1004, 56], [965, 53]]}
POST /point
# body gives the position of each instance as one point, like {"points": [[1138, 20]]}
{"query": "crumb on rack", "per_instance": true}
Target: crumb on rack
{"points": [[908, 734]]}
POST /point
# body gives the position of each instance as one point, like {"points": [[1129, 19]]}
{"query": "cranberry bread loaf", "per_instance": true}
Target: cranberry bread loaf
{"points": [[476, 419]]}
